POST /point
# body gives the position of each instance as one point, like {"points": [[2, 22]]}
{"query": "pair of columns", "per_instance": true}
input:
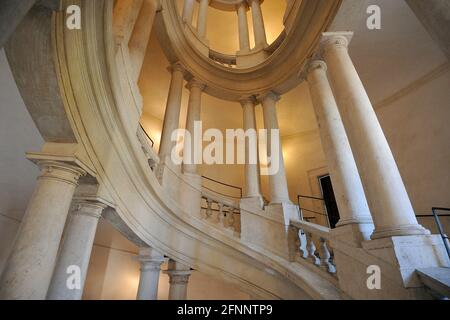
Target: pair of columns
{"points": [[258, 25], [188, 15], [360, 161], [34, 270], [172, 117], [277, 181], [241, 8], [178, 273]]}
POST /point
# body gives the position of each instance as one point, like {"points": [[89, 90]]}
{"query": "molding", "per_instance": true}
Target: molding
{"points": [[413, 86], [301, 134]]}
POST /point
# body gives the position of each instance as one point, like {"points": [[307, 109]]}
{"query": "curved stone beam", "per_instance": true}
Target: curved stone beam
{"points": [[30, 55], [11, 14]]}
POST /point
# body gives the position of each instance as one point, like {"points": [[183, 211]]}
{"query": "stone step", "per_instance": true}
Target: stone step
{"points": [[437, 280]]}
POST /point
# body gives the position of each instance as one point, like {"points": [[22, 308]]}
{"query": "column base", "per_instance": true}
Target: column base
{"points": [[353, 233], [250, 58], [404, 230], [256, 201], [409, 253]]}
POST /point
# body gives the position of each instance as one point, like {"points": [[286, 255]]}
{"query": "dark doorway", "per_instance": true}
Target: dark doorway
{"points": [[330, 200]]}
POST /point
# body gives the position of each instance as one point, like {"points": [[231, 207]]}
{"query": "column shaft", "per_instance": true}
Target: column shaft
{"points": [[386, 194], [258, 24], [141, 35], [188, 11], [252, 174], [347, 185], [190, 153], [151, 261], [244, 39], [75, 249], [202, 18], [277, 181], [30, 266], [172, 114]]}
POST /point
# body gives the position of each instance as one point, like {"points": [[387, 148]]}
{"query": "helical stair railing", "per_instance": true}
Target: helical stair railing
{"points": [[101, 102]]}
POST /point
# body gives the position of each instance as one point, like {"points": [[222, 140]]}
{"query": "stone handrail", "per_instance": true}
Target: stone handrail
{"points": [[311, 243], [223, 59], [277, 43], [147, 148]]}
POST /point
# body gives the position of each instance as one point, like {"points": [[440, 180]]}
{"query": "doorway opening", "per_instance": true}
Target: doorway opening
{"points": [[330, 200]]}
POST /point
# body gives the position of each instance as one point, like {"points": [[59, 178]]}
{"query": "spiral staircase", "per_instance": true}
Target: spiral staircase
{"points": [[91, 120]]}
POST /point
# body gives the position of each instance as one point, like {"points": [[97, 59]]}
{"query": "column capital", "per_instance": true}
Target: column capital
{"points": [[269, 95], [335, 39], [178, 277], [312, 65], [195, 83], [247, 101], [61, 171], [88, 208], [177, 66], [250, 1], [243, 3], [150, 259]]}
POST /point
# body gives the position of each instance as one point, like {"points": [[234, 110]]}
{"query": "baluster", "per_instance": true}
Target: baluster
{"points": [[222, 221], [293, 242], [215, 215], [230, 218], [312, 249], [325, 256], [303, 244], [208, 208], [236, 221]]}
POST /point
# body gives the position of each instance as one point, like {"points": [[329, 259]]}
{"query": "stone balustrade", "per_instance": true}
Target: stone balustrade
{"points": [[221, 212], [147, 148], [311, 243]]}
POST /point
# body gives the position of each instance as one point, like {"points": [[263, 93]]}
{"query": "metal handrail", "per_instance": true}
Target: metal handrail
{"points": [[439, 225], [305, 209], [224, 184], [148, 137]]}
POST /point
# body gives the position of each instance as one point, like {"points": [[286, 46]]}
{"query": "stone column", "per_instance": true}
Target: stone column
{"points": [[202, 18], [151, 261], [252, 174], [347, 185], [277, 181], [190, 153], [388, 200], [178, 278], [188, 11], [141, 35], [244, 39], [258, 24], [75, 249], [29, 269], [172, 114]]}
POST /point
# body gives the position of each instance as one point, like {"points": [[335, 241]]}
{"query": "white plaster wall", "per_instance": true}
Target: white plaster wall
{"points": [[18, 134]]}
